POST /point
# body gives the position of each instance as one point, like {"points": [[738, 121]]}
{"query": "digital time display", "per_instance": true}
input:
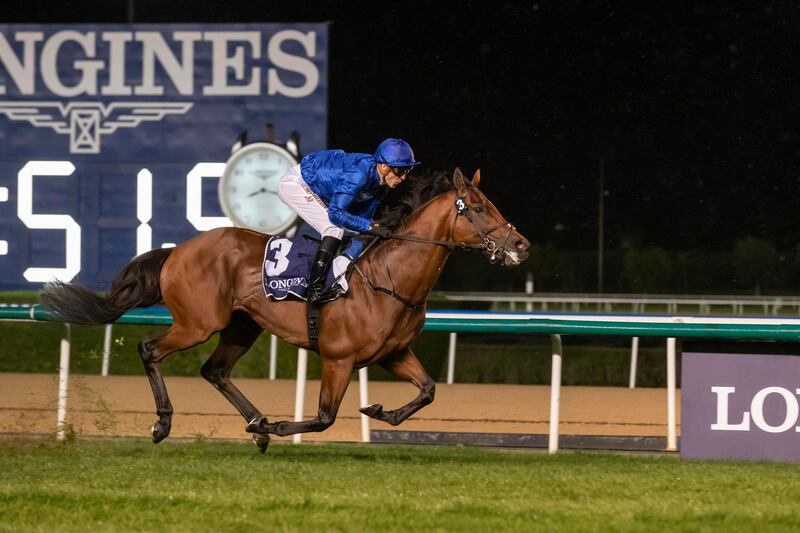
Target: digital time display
{"points": [[119, 208]]}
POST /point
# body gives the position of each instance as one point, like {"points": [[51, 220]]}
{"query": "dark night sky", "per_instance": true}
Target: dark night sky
{"points": [[693, 107]]}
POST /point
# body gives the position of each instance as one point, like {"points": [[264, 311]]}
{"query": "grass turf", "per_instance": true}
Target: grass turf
{"points": [[108, 485]]}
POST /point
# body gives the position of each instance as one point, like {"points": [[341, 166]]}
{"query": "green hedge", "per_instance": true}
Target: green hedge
{"points": [[604, 362], [33, 347]]}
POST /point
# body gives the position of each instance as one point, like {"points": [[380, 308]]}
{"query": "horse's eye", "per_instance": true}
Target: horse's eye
{"points": [[479, 209]]}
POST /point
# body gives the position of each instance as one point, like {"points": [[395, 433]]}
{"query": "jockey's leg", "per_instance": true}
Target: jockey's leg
{"points": [[296, 193], [404, 365], [320, 266], [354, 249]]}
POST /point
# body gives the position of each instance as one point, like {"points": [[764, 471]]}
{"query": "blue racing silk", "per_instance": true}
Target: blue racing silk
{"points": [[348, 184]]}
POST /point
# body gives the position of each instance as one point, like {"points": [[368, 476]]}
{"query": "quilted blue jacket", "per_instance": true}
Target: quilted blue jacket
{"points": [[348, 184]]}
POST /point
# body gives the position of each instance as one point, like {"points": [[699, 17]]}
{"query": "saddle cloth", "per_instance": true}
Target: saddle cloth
{"points": [[287, 263]]}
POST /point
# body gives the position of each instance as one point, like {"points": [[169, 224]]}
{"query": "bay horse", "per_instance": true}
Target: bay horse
{"points": [[212, 283]]}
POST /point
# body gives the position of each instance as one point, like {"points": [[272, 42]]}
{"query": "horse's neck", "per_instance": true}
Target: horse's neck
{"points": [[413, 267]]}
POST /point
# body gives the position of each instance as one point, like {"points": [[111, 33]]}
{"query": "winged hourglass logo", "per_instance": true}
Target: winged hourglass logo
{"points": [[85, 122]]}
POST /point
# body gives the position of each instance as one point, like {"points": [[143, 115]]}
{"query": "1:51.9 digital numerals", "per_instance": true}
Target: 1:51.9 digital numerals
{"points": [[27, 189]]}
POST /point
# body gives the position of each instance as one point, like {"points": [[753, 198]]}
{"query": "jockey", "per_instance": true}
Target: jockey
{"points": [[335, 191]]}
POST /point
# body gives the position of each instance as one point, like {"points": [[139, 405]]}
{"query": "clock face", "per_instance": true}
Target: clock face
{"points": [[248, 189]]}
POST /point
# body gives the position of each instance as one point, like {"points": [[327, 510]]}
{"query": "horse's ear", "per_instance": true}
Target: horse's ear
{"points": [[476, 179], [459, 181]]}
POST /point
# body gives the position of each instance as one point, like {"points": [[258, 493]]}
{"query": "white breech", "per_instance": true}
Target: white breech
{"points": [[295, 193]]}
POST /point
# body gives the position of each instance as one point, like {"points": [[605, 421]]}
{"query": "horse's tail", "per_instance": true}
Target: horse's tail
{"points": [[137, 285]]}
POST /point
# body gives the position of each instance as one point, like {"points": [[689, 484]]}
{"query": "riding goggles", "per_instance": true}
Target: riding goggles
{"points": [[401, 171]]}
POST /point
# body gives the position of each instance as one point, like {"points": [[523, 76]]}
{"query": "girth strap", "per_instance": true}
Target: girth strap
{"points": [[314, 322], [314, 309]]}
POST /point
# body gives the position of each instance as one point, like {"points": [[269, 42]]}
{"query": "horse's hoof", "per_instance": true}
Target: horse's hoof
{"points": [[374, 410], [257, 425], [159, 431], [262, 441]]}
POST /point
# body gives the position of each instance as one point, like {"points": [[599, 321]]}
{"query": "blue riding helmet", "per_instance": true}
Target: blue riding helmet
{"points": [[395, 153]]}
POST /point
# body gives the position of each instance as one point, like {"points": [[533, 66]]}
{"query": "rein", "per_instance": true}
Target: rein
{"points": [[461, 209], [446, 244], [390, 292]]}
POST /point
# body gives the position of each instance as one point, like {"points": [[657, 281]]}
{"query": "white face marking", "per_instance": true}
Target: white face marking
{"points": [[514, 256]]}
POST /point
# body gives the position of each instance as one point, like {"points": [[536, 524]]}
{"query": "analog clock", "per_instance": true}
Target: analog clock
{"points": [[248, 188]]}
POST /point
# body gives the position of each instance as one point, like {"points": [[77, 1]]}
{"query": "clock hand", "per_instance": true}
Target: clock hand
{"points": [[262, 189]]}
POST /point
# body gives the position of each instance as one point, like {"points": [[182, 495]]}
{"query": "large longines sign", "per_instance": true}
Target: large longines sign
{"points": [[111, 137], [740, 406]]}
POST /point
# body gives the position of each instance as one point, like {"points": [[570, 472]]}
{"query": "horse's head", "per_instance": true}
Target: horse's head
{"points": [[479, 222]]}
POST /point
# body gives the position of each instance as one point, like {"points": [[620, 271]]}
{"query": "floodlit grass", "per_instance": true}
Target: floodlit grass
{"points": [[110, 485]]}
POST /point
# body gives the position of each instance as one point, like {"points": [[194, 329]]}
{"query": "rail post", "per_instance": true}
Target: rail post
{"points": [[363, 401], [555, 393], [529, 292], [672, 433], [106, 350], [273, 356], [451, 358], [63, 383], [300, 392], [634, 362]]}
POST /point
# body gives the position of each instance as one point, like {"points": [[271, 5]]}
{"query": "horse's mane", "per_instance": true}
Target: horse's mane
{"points": [[416, 190]]}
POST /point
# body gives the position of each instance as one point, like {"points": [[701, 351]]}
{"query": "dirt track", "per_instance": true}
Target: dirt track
{"points": [[123, 405]]}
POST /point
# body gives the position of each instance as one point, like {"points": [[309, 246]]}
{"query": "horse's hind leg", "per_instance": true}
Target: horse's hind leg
{"points": [[404, 365], [154, 351], [234, 341]]}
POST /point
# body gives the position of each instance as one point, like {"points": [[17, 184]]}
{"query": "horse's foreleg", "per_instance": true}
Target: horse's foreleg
{"points": [[404, 365], [152, 353], [335, 379], [234, 341]]}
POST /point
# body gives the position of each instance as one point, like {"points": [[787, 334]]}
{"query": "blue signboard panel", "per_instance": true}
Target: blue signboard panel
{"points": [[113, 137]]}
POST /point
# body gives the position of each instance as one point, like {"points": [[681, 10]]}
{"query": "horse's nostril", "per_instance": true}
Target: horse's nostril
{"points": [[521, 246]]}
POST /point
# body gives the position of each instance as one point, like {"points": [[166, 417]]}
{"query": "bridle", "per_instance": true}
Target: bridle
{"points": [[488, 244], [462, 209]]}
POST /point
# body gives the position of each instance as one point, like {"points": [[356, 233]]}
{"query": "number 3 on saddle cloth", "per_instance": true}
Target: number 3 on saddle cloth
{"points": [[287, 263]]}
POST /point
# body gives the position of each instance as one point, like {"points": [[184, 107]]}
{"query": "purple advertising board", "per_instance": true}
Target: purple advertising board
{"points": [[740, 406]]}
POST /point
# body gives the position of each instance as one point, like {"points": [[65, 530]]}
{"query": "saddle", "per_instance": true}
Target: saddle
{"points": [[287, 263]]}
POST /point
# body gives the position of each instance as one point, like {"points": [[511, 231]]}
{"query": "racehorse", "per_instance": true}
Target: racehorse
{"points": [[212, 283]]}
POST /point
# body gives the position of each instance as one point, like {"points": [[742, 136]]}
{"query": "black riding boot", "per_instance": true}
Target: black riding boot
{"points": [[320, 267]]}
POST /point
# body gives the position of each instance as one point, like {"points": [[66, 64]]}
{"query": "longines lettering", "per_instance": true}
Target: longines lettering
{"points": [[756, 413], [287, 283], [232, 52]]}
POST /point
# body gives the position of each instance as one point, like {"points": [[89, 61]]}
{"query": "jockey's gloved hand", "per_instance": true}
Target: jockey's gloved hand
{"points": [[380, 231]]}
